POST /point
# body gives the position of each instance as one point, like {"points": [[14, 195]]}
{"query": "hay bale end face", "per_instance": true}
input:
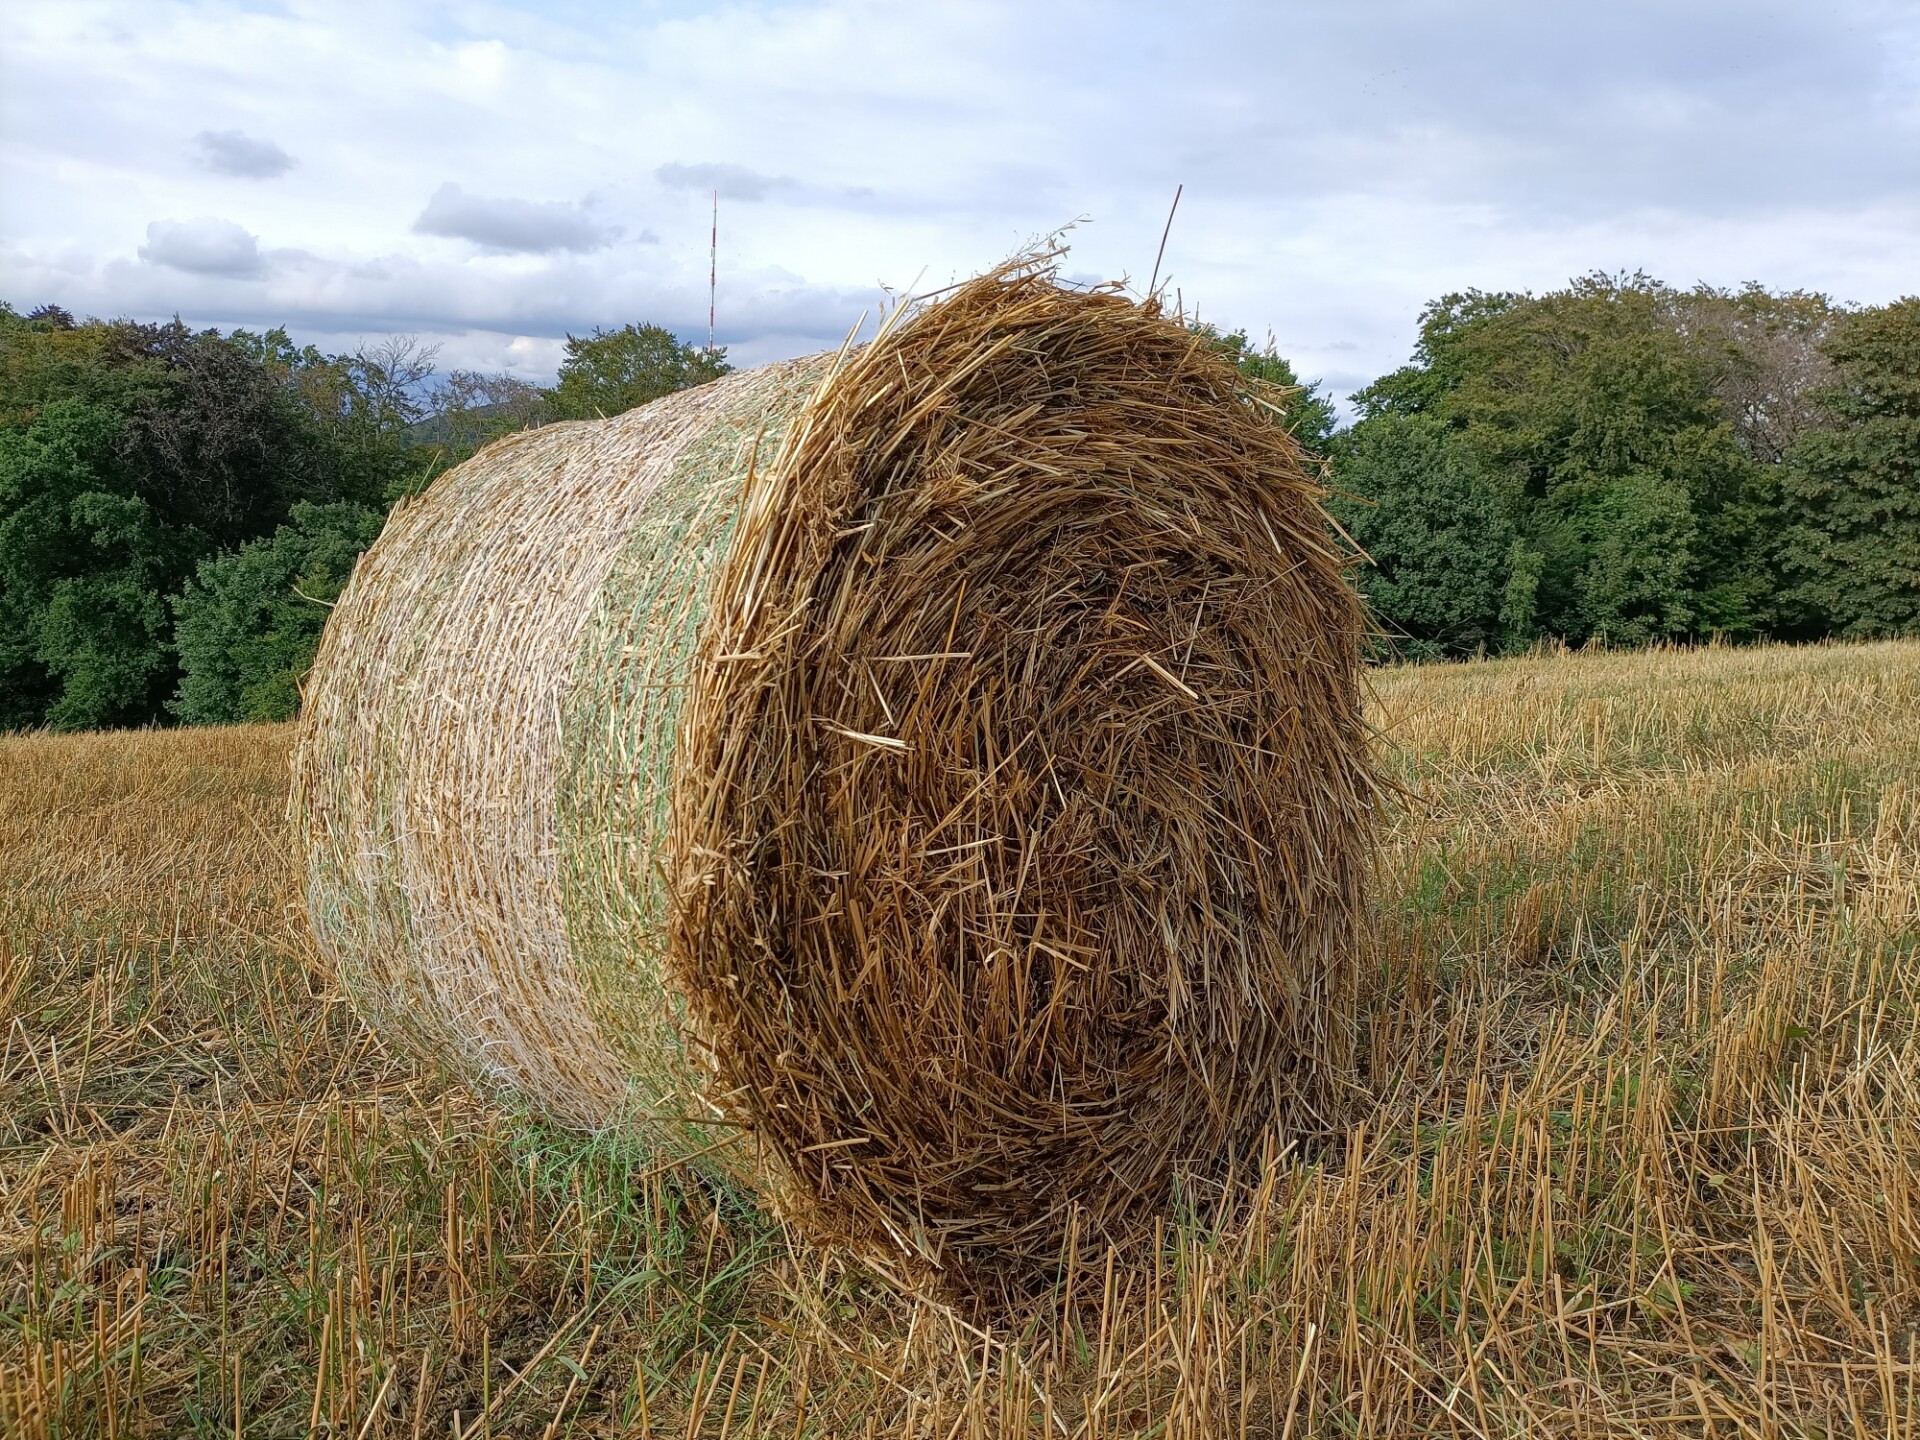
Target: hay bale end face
{"points": [[941, 763]]}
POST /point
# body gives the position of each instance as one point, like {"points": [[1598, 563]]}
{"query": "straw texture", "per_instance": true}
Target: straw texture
{"points": [[941, 763]]}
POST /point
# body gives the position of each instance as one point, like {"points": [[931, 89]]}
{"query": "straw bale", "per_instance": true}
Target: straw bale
{"points": [[928, 781]]}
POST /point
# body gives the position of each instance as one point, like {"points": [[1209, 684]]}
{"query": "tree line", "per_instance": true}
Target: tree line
{"points": [[1616, 462], [1623, 463], [178, 508]]}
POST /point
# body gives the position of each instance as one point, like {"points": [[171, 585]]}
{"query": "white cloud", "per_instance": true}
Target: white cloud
{"points": [[233, 152], [527, 227], [1343, 163], [206, 246]]}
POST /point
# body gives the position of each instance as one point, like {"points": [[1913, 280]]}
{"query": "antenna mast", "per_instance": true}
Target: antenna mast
{"points": [[713, 268]]}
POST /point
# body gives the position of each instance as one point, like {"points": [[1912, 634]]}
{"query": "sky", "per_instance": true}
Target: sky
{"points": [[493, 176]]}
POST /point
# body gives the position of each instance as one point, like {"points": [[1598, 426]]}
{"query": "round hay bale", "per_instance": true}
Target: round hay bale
{"points": [[940, 762]]}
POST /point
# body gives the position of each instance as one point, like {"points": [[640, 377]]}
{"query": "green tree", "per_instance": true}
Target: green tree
{"points": [[611, 371], [1853, 490], [250, 620], [1627, 548], [1415, 499], [128, 453], [1520, 598], [84, 563], [1598, 414]]}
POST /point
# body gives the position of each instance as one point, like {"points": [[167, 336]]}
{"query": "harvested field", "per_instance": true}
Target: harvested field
{"points": [[1643, 1157]]}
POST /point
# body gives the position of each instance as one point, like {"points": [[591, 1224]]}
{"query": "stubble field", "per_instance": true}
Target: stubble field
{"points": [[1640, 1153]]}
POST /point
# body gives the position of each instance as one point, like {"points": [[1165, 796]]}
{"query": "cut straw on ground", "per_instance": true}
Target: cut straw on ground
{"points": [[1644, 973]]}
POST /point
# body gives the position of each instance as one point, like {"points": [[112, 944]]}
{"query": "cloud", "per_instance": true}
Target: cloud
{"points": [[206, 246], [1343, 164], [524, 227], [488, 312], [735, 182], [234, 152]]}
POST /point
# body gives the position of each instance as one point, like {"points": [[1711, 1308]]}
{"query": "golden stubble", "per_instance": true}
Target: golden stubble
{"points": [[1640, 1158]]}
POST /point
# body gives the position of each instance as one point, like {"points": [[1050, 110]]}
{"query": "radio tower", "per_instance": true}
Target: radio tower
{"points": [[713, 268]]}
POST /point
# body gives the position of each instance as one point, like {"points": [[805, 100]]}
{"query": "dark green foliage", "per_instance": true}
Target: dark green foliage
{"points": [[611, 371], [174, 504], [129, 453], [1520, 597], [84, 561], [1623, 555], [1604, 415], [1853, 490], [1415, 499], [238, 427], [250, 620]]}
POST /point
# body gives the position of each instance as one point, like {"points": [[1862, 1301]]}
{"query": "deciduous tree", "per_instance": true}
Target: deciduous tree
{"points": [[1853, 490], [611, 371], [1415, 499], [250, 619]]}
